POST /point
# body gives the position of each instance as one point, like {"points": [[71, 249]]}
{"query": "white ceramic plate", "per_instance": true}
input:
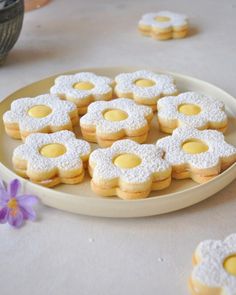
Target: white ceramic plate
{"points": [[80, 199]]}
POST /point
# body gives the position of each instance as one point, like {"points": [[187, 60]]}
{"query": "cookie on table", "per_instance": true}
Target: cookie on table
{"points": [[193, 109], [44, 113], [108, 121], [50, 159], [214, 269], [145, 87], [195, 154], [164, 25], [128, 170], [83, 88]]}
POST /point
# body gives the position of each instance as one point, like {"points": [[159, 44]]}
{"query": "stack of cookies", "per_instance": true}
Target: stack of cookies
{"points": [[116, 114]]}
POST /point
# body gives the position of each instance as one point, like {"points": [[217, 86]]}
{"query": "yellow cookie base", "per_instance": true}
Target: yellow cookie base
{"points": [[13, 130], [117, 187], [89, 133], [107, 143], [169, 126], [202, 175], [129, 195], [197, 288], [164, 34], [53, 177]]}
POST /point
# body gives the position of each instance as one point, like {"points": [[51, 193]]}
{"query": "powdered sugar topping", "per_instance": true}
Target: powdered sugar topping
{"points": [[212, 110], [71, 159], [150, 155], [136, 116], [210, 270], [175, 155], [164, 84], [58, 117], [64, 86], [175, 20]]}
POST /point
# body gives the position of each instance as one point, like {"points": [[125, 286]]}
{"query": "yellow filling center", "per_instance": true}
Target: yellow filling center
{"points": [[53, 150], [194, 146], [39, 111], [83, 86], [127, 161], [230, 265], [115, 115], [162, 19], [12, 204], [189, 109], [144, 83]]}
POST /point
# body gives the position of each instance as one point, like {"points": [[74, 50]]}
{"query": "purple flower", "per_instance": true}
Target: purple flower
{"points": [[14, 207]]}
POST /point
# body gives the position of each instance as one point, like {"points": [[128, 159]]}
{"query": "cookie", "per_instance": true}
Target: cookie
{"points": [[44, 113], [82, 89], [128, 170], [145, 87], [50, 159], [108, 121], [164, 25], [193, 109], [199, 155], [214, 267]]}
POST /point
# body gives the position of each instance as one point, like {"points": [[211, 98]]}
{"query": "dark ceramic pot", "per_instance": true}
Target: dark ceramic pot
{"points": [[11, 19]]}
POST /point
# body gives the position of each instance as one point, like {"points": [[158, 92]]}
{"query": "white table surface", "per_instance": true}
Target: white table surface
{"points": [[69, 254]]}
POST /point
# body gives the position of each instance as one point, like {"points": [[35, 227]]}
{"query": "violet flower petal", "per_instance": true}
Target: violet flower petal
{"points": [[4, 197], [4, 215], [2, 185], [27, 200], [28, 213], [16, 220], [14, 188]]}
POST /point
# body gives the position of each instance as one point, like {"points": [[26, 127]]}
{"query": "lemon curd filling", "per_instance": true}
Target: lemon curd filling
{"points": [[162, 19], [230, 265], [194, 146], [189, 109], [127, 161], [39, 111], [83, 86], [144, 83], [53, 150], [115, 115]]}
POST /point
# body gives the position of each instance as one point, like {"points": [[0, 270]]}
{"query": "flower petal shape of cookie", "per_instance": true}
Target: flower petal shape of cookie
{"points": [[193, 109], [82, 89], [44, 113], [50, 159], [215, 267], [129, 170], [195, 154], [108, 121], [164, 25], [145, 87]]}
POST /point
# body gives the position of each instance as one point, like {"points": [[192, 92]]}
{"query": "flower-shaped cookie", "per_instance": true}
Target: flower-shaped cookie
{"points": [[193, 109], [44, 113], [200, 155], [108, 121], [82, 89], [164, 25], [128, 170], [215, 267], [50, 159], [144, 87]]}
